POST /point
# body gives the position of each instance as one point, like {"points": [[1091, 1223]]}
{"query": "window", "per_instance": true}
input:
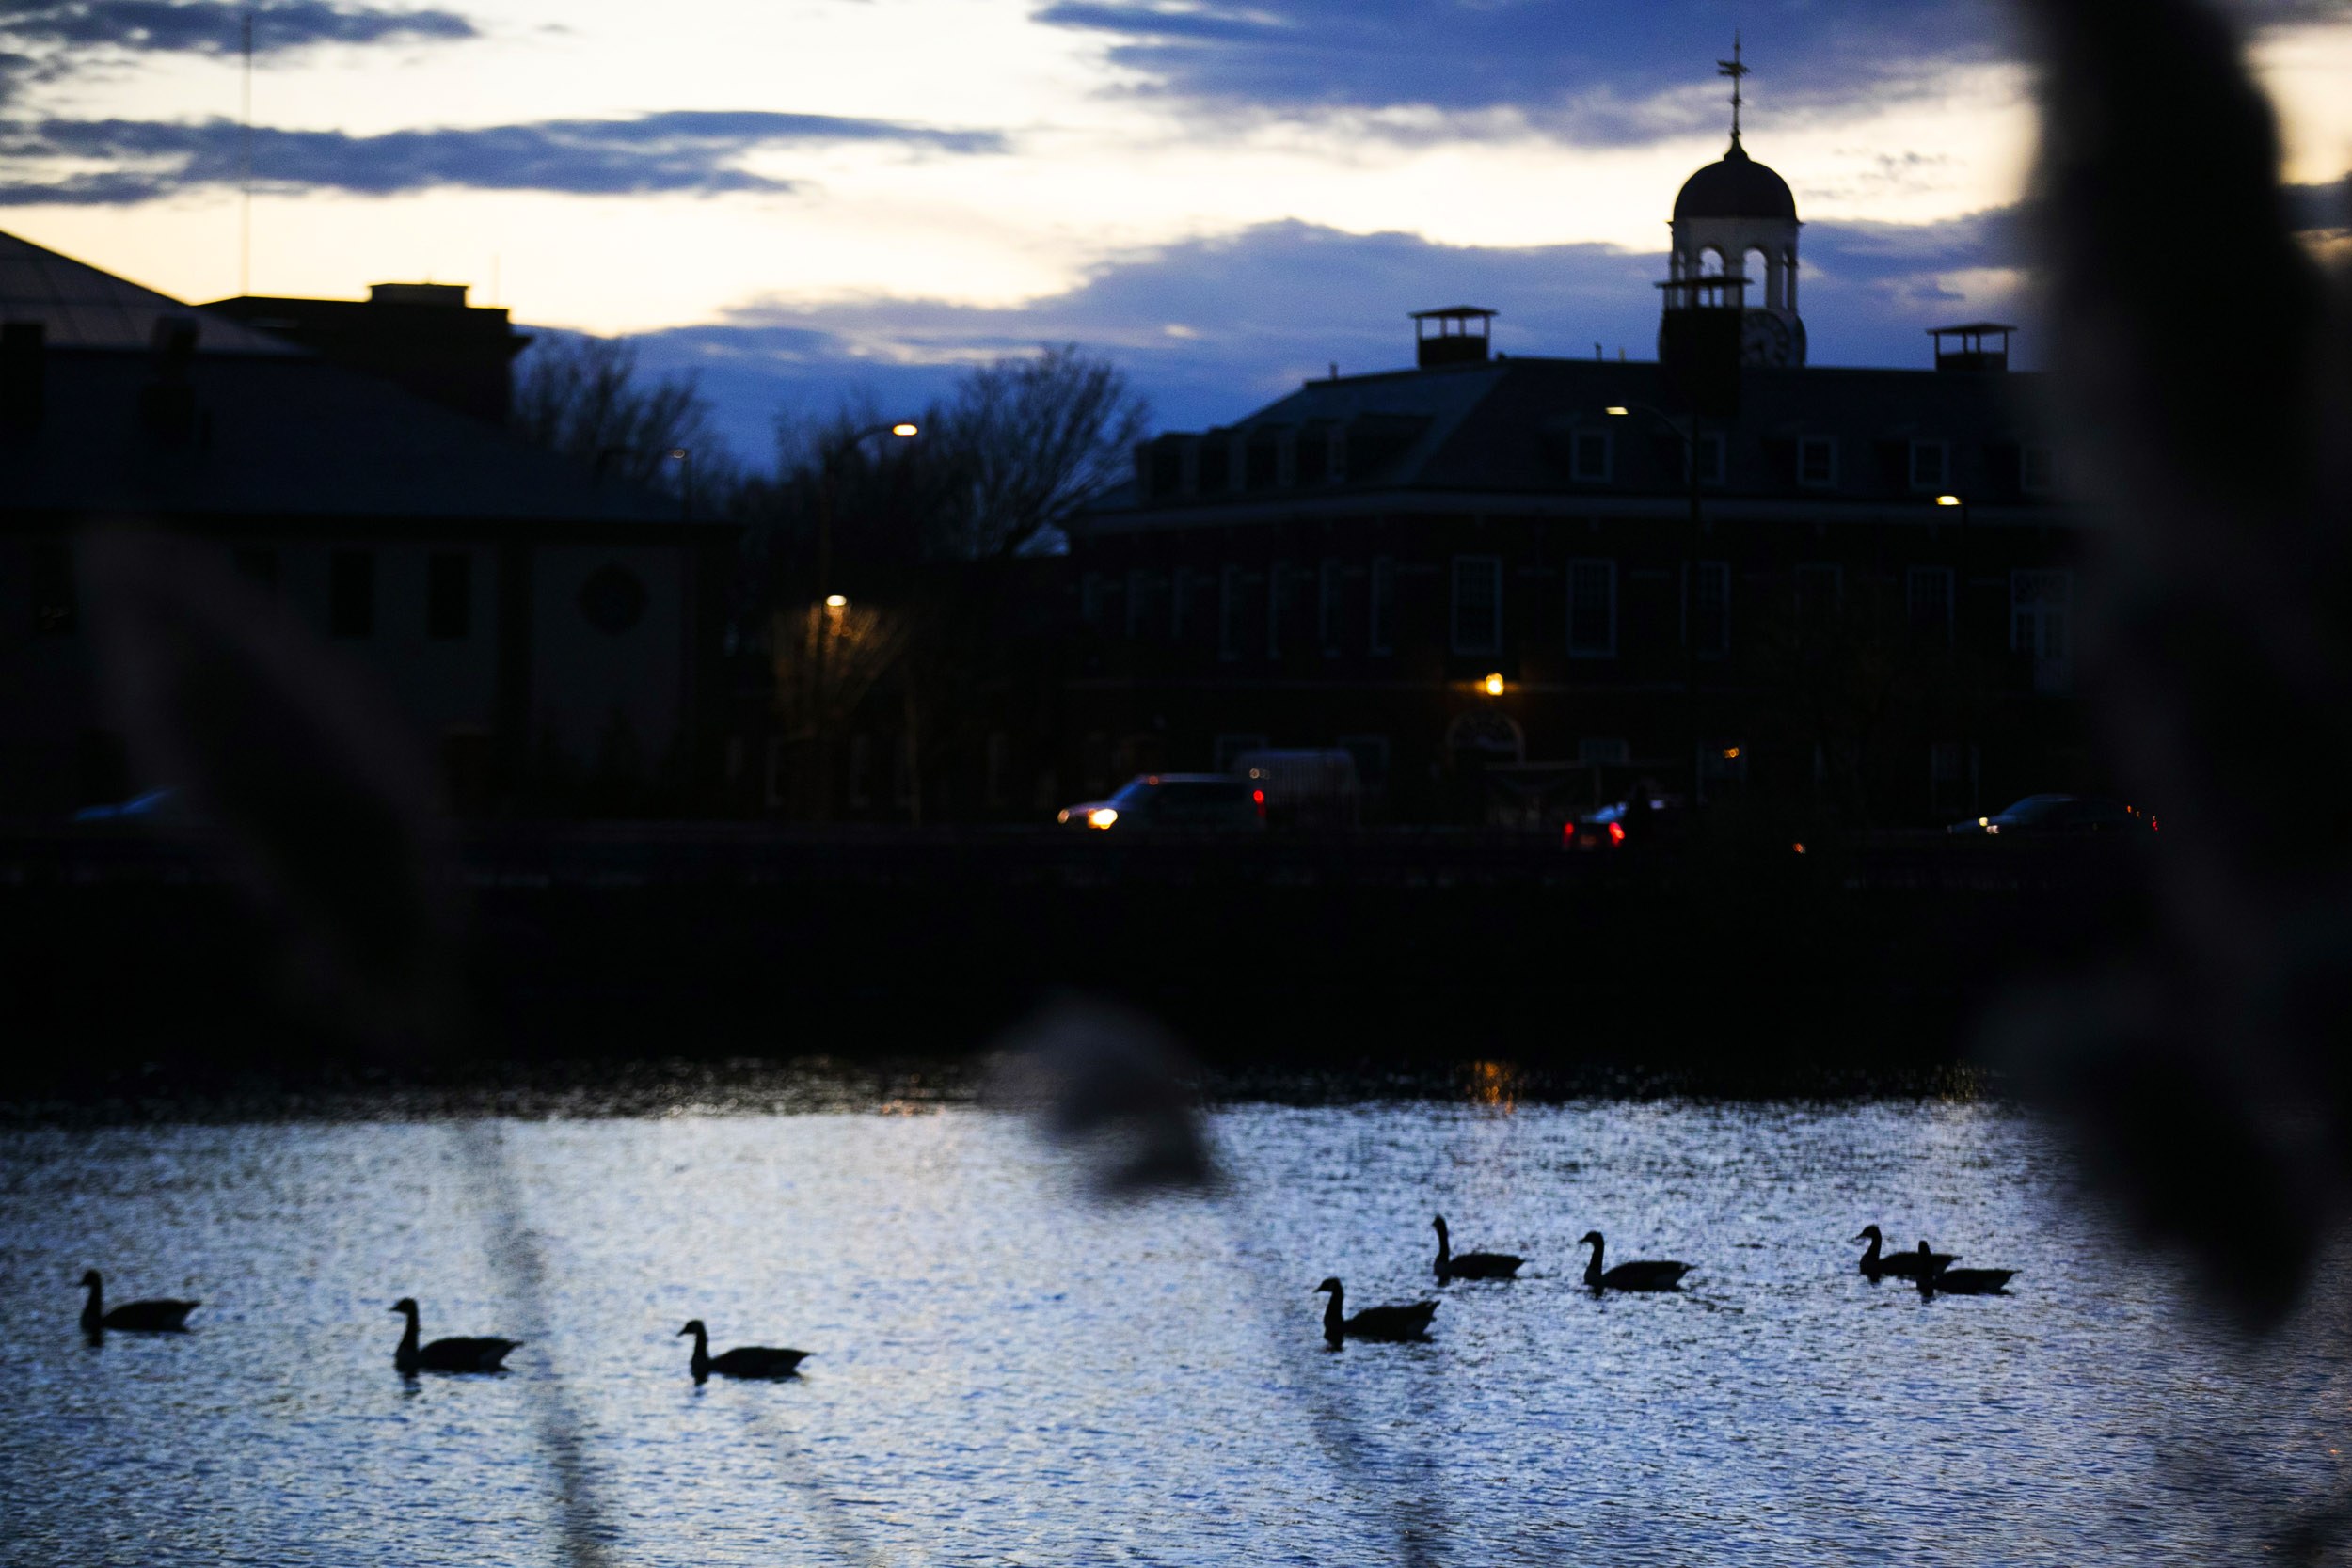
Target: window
{"points": [[1593, 608], [1603, 750], [1931, 464], [1711, 452], [1819, 590], [2041, 606], [1329, 584], [257, 564], [1383, 616], [351, 593], [1228, 613], [448, 593], [1711, 610], [1591, 455], [1277, 592], [1927, 595], [1817, 462], [1477, 604], [2037, 471], [55, 611], [1091, 595]]}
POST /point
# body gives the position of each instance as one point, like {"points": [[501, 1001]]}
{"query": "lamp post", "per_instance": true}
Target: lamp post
{"points": [[684, 457], [832, 605], [1689, 433]]}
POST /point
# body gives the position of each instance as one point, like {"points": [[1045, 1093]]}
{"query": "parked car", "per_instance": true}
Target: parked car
{"points": [[1199, 802], [2061, 816], [1645, 817], [1303, 788]]}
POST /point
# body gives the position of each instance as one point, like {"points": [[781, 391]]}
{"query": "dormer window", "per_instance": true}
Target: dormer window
{"points": [[1592, 460]]}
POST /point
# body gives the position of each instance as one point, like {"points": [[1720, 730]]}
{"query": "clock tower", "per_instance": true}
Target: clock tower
{"points": [[1735, 246]]}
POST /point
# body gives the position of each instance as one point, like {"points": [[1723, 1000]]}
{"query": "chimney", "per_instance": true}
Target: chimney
{"points": [[1459, 338]]}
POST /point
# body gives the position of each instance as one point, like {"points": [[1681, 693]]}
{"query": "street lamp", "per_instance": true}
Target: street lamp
{"points": [[684, 458], [1690, 434], [828, 476]]}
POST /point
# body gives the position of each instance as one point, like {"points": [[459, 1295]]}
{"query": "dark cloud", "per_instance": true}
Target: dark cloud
{"points": [[693, 151], [1596, 71], [216, 27], [1256, 313]]}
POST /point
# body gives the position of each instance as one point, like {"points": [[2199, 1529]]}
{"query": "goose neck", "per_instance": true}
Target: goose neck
{"points": [[1592, 1269], [1869, 1258], [1334, 1315]]}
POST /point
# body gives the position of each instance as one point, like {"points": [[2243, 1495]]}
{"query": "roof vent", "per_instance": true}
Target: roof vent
{"points": [[450, 296], [1976, 346], [1459, 338]]}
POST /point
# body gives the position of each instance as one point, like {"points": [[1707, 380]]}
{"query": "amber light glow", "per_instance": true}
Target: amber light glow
{"points": [[1102, 817], [1494, 686], [834, 601], [901, 430]]}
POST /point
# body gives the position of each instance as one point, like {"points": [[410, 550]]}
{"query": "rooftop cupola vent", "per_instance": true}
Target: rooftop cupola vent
{"points": [[1459, 334], [1972, 346]]}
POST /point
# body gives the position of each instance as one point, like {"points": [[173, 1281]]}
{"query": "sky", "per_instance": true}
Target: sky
{"points": [[808, 201]]}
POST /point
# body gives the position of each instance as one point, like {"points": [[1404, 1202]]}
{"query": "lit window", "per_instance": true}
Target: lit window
{"points": [[1593, 608]]}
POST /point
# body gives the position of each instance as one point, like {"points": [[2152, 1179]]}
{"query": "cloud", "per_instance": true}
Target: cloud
{"points": [[1598, 72], [216, 27], [1213, 328], [688, 151]]}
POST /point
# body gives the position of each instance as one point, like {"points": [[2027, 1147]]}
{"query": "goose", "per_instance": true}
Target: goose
{"points": [[1903, 1265], [482, 1354], [742, 1361], [1373, 1323], [1962, 1282], [132, 1317], [1647, 1276], [1470, 1265]]}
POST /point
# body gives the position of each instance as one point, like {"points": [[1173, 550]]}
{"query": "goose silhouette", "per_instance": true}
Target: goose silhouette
{"points": [[742, 1361], [132, 1317], [1647, 1275], [1470, 1265], [1960, 1282], [479, 1355], [1903, 1265], [1373, 1323]]}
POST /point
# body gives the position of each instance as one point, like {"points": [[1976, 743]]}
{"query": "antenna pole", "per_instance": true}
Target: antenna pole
{"points": [[245, 163], [1735, 70]]}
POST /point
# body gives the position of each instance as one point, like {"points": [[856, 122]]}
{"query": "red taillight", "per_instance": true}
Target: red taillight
{"points": [[1259, 796], [1568, 832], [1616, 832]]}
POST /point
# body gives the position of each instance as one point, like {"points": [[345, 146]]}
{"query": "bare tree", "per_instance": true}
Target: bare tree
{"points": [[1032, 440], [580, 396]]}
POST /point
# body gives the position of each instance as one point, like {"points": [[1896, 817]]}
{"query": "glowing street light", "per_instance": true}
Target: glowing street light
{"points": [[1494, 686], [902, 430], [1615, 412], [836, 601], [1948, 500]]}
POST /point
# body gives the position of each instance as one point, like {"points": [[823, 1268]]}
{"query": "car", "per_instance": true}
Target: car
{"points": [[1612, 824], [1199, 802], [2061, 817]]}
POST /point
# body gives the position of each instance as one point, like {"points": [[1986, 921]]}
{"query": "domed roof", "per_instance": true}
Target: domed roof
{"points": [[1737, 186]]}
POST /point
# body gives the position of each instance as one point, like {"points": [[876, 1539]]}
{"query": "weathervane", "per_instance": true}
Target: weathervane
{"points": [[1733, 68]]}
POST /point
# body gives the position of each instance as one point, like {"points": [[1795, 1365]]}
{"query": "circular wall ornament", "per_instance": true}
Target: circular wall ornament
{"points": [[613, 599]]}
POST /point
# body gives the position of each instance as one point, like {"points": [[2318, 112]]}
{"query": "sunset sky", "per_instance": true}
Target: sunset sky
{"points": [[814, 199]]}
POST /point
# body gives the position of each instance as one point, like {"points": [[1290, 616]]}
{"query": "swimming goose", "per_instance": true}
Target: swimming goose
{"points": [[1470, 1265], [132, 1317], [1373, 1323], [742, 1361], [482, 1354], [1647, 1276], [1962, 1282], [1903, 1265]]}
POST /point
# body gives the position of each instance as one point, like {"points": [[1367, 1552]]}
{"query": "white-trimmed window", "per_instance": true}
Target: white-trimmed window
{"points": [[1592, 610], [1330, 582], [1229, 606], [1710, 608], [2037, 470], [2041, 623], [1817, 462], [1931, 464], [1380, 623], [1927, 598], [1477, 604], [1592, 459]]}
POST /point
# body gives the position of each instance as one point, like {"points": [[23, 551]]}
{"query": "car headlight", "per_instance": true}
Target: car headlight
{"points": [[1062, 815], [1103, 817]]}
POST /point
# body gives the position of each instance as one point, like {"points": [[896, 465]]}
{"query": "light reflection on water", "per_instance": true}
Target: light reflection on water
{"points": [[1005, 1376]]}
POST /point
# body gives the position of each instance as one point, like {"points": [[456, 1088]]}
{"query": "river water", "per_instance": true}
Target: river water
{"points": [[1007, 1372]]}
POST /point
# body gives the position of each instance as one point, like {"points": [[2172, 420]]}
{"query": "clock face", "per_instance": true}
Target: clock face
{"points": [[1764, 339]]}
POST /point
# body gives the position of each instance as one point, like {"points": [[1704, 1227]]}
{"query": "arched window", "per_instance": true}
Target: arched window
{"points": [[1710, 262], [1763, 280]]}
